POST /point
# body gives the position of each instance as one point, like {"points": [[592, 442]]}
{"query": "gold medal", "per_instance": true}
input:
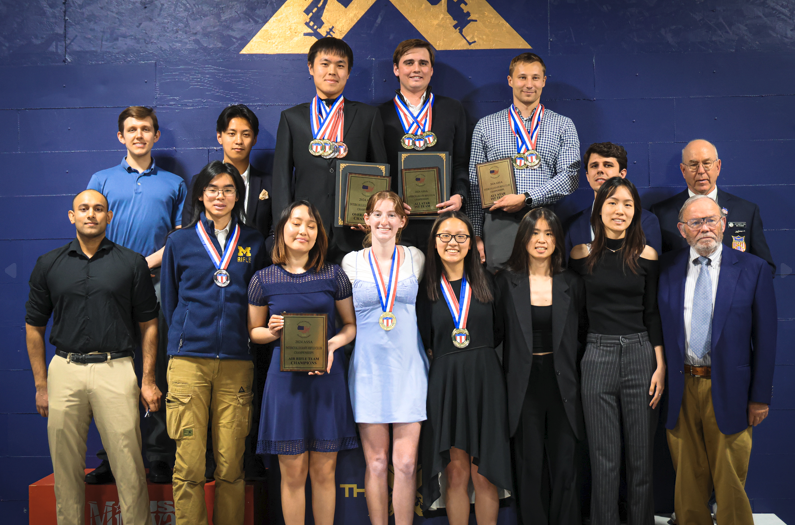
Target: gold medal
{"points": [[533, 158], [387, 321], [430, 138], [519, 161], [461, 337], [407, 141], [316, 147]]}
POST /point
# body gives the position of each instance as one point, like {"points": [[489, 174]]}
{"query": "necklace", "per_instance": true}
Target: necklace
{"points": [[616, 250]]}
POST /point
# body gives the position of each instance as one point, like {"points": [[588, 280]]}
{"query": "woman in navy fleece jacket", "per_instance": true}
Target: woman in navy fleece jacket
{"points": [[206, 270]]}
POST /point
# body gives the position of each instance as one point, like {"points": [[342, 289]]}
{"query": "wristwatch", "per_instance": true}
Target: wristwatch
{"points": [[528, 200]]}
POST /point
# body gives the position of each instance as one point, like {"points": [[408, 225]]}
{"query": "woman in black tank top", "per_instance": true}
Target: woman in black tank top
{"points": [[623, 369], [543, 311]]}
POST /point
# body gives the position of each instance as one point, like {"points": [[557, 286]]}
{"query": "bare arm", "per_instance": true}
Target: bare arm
{"points": [[257, 331], [34, 337], [150, 394], [156, 259], [347, 332]]}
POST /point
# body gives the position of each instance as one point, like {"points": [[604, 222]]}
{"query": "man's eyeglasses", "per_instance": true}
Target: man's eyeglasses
{"points": [[707, 164], [213, 192], [695, 224], [446, 237]]}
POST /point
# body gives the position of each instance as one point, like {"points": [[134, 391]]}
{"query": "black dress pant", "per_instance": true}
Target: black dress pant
{"points": [[545, 453]]}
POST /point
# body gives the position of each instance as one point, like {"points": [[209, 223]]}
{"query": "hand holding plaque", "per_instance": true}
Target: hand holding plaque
{"points": [[304, 343], [495, 180]]}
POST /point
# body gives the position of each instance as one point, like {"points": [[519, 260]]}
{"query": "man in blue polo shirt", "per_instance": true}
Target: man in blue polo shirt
{"points": [[147, 203]]}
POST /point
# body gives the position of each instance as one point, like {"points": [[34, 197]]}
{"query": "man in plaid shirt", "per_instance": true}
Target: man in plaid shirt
{"points": [[556, 176]]}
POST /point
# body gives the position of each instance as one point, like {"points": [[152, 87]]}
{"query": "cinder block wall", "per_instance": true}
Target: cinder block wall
{"points": [[648, 75]]}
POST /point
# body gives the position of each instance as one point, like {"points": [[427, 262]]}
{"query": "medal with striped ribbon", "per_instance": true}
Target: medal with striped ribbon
{"points": [[417, 127], [221, 276], [459, 308], [526, 154], [327, 127], [386, 292]]}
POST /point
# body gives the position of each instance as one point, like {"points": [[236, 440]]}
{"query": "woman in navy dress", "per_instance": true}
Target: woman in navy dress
{"points": [[306, 418]]}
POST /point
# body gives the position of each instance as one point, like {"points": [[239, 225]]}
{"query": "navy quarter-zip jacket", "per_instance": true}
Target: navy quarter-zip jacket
{"points": [[205, 320]]}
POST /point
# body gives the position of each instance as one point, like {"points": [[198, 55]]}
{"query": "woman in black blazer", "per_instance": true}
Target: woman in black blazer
{"points": [[544, 313]]}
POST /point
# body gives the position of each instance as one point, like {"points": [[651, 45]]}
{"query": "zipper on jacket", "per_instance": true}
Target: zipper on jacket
{"points": [[184, 322], [221, 324]]}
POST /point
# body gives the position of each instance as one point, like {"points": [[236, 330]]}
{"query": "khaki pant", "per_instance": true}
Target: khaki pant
{"points": [[202, 390], [705, 458], [109, 392]]}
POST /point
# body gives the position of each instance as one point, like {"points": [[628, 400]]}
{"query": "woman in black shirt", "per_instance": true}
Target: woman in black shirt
{"points": [[541, 354], [623, 370]]}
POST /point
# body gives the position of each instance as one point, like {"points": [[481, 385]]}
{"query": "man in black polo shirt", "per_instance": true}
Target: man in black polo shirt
{"points": [[96, 290]]}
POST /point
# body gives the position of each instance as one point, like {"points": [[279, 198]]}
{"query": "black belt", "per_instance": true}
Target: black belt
{"points": [[73, 357]]}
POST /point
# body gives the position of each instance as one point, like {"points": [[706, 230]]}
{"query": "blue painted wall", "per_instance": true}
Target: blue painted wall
{"points": [[651, 75]]}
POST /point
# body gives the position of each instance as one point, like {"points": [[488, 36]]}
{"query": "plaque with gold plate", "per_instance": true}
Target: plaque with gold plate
{"points": [[304, 343], [424, 181], [356, 183], [495, 180]]}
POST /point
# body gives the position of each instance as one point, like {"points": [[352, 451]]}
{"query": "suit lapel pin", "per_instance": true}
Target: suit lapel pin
{"points": [[725, 211], [263, 195]]}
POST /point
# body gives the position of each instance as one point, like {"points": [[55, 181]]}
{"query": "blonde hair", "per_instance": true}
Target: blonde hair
{"points": [[399, 210]]}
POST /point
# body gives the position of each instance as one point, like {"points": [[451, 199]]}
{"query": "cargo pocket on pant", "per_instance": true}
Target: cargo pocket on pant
{"points": [[179, 418], [243, 421]]}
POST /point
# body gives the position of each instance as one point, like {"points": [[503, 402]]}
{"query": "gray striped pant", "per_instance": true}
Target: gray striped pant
{"points": [[616, 374]]}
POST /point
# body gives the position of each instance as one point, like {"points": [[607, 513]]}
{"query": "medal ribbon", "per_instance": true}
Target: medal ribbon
{"points": [[327, 122], [459, 308], [386, 293], [415, 124], [526, 141], [221, 263]]}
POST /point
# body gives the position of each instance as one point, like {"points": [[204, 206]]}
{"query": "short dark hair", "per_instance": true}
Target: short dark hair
{"points": [[635, 239], [526, 58], [519, 261], [476, 276], [236, 111], [317, 255], [413, 43], [140, 113], [333, 46], [203, 179], [606, 149]]}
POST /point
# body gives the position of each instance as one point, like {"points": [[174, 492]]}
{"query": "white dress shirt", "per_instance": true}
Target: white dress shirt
{"points": [[415, 109], [693, 271], [221, 235], [245, 176], [712, 195]]}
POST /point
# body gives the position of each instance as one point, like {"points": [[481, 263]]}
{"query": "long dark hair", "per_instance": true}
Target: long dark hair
{"points": [[635, 239], [476, 277], [317, 255], [519, 261], [203, 179]]}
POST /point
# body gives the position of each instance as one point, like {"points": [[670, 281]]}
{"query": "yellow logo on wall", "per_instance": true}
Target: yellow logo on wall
{"points": [[446, 24]]}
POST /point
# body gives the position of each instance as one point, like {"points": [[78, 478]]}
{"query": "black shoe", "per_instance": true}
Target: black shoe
{"points": [[159, 472], [255, 470], [101, 475]]}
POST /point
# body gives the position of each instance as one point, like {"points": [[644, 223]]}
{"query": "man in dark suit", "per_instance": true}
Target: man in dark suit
{"points": [[718, 312], [701, 167], [412, 64], [236, 129], [605, 160], [298, 172]]}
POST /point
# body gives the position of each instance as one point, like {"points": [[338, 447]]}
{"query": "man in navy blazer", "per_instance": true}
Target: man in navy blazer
{"points": [[701, 167], [602, 161], [719, 319]]}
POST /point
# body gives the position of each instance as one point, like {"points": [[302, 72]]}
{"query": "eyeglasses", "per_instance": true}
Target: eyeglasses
{"points": [[695, 224], [446, 237], [213, 192], [707, 164]]}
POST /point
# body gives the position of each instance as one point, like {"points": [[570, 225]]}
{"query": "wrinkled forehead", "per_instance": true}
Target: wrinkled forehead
{"points": [[702, 208]]}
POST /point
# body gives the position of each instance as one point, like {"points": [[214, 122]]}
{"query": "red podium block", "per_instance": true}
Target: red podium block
{"points": [[102, 503]]}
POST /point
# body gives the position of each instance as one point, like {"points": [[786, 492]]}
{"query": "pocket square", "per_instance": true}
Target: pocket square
{"points": [[264, 195]]}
